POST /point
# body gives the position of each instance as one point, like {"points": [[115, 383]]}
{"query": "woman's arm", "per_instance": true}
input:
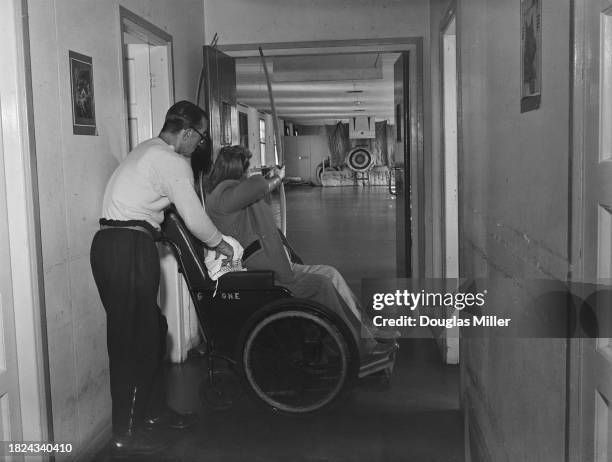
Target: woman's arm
{"points": [[196, 219], [243, 194]]}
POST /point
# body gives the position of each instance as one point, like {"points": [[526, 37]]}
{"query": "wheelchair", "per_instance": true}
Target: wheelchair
{"points": [[293, 355]]}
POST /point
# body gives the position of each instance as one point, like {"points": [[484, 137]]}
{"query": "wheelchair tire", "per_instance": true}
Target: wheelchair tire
{"points": [[295, 360]]}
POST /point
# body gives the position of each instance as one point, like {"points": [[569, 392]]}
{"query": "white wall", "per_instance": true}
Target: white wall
{"points": [[73, 171], [513, 191], [305, 20]]}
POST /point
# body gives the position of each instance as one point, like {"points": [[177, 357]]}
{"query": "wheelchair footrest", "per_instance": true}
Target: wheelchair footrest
{"points": [[370, 366]]}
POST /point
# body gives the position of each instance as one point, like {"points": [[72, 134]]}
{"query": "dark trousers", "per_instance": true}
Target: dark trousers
{"points": [[125, 266]]}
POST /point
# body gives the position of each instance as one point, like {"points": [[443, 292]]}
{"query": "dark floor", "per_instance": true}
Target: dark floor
{"points": [[351, 228], [415, 417]]}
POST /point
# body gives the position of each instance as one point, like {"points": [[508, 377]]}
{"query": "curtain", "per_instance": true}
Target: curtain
{"points": [[382, 147]]}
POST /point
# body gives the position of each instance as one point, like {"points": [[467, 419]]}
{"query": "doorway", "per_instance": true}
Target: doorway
{"points": [[149, 92], [411, 261], [149, 89]]}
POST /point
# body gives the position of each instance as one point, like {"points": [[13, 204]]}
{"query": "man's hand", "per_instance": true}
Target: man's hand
{"points": [[224, 249]]}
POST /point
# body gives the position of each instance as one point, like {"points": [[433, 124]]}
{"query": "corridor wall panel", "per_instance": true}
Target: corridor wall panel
{"points": [[514, 221], [73, 171]]}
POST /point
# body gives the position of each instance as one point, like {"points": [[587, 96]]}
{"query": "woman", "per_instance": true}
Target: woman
{"points": [[236, 205]]}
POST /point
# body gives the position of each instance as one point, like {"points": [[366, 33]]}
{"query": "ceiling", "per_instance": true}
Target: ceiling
{"points": [[320, 89]]}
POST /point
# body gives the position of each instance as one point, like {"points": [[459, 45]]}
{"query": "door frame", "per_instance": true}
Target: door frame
{"points": [[25, 243], [148, 32], [448, 17], [450, 344], [580, 62], [413, 46]]}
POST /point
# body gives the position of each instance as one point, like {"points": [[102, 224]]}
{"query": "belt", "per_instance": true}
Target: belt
{"points": [[136, 225], [251, 249], [136, 228]]}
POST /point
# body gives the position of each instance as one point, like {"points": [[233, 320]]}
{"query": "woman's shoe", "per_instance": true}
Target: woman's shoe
{"points": [[383, 349]]}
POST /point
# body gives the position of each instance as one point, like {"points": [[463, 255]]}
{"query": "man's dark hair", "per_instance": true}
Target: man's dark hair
{"points": [[231, 164], [183, 115]]}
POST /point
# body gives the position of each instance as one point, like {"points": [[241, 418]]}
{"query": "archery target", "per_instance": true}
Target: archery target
{"points": [[359, 159]]}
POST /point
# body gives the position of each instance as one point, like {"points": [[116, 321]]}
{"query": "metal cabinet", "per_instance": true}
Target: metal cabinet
{"points": [[303, 154]]}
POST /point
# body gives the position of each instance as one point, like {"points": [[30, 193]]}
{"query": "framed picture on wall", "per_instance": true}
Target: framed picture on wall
{"points": [[531, 54], [82, 93]]}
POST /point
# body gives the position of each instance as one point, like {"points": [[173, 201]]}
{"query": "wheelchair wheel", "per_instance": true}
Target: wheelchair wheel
{"points": [[296, 361]]}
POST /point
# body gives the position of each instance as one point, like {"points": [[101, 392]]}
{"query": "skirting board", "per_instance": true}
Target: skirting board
{"points": [[476, 448], [91, 449]]}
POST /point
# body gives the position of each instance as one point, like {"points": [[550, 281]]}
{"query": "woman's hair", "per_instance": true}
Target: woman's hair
{"points": [[231, 164], [201, 163]]}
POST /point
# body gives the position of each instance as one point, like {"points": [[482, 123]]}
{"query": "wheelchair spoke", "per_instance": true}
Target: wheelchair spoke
{"points": [[296, 361]]}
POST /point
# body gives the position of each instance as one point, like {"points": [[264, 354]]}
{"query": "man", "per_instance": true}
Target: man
{"points": [[125, 265]]}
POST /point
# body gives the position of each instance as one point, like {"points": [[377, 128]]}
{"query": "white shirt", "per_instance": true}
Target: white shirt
{"points": [[150, 178]]}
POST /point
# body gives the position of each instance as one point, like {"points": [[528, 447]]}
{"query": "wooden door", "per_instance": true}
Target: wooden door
{"points": [[291, 156], [219, 98], [162, 94], [593, 120], [243, 129], [139, 92], [297, 157], [304, 156], [403, 222], [10, 410]]}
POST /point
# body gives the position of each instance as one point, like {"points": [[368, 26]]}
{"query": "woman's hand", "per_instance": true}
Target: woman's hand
{"points": [[275, 178], [279, 171]]}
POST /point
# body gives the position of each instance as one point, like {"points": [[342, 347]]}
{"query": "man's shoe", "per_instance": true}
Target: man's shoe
{"points": [[170, 419], [139, 443]]}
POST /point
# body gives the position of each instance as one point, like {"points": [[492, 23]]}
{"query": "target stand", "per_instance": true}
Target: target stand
{"points": [[360, 161]]}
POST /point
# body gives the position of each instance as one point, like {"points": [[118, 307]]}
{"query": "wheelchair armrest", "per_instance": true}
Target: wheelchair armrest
{"points": [[247, 280]]}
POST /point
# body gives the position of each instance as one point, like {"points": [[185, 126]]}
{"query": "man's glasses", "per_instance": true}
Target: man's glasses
{"points": [[203, 137]]}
